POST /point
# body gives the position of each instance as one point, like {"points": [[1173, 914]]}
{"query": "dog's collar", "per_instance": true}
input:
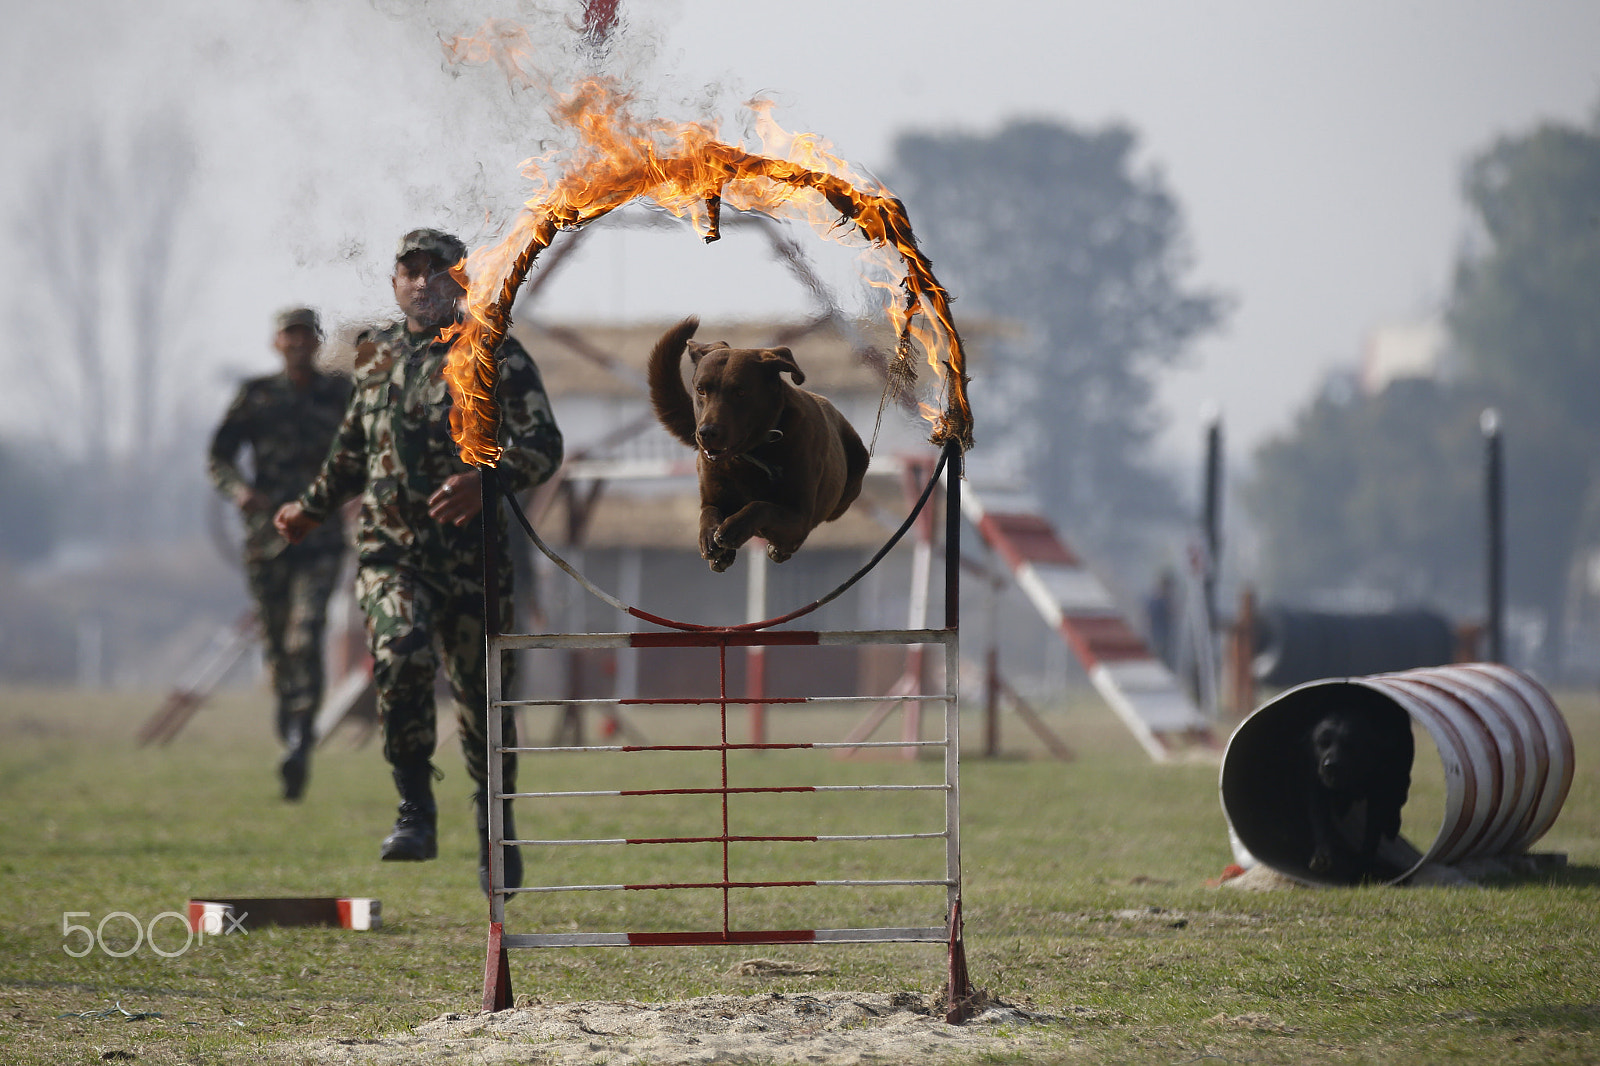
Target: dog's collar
{"points": [[773, 471]]}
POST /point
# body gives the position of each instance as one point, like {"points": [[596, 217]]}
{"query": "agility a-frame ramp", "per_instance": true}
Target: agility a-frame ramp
{"points": [[1145, 694], [797, 873]]}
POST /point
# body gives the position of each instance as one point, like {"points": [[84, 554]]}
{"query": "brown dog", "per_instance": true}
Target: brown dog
{"points": [[774, 461]]}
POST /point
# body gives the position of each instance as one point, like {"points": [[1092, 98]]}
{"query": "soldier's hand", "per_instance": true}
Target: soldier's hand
{"points": [[292, 524], [458, 500]]}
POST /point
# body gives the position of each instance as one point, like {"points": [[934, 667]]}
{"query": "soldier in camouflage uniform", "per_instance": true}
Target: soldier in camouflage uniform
{"points": [[419, 538], [287, 421]]}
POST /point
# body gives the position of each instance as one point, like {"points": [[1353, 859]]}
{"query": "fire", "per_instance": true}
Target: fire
{"points": [[686, 169]]}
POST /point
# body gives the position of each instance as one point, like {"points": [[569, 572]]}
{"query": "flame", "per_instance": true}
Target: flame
{"points": [[686, 169]]}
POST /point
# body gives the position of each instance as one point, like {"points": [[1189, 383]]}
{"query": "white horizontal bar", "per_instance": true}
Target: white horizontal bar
{"points": [[886, 935], [565, 843], [886, 636], [824, 839], [876, 884], [883, 744], [567, 888], [565, 940], [734, 789], [773, 700], [554, 795], [678, 748], [518, 641], [945, 881], [882, 788]]}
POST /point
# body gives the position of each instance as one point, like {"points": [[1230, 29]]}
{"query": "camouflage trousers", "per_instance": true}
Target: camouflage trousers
{"points": [[291, 595], [415, 623]]}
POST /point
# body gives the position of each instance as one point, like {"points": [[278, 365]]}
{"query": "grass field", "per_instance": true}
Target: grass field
{"points": [[1085, 895]]}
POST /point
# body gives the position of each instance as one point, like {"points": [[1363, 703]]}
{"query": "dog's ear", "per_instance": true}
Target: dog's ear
{"points": [[696, 350], [782, 362]]}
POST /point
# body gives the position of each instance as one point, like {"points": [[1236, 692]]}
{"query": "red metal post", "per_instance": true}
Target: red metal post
{"points": [[496, 972]]}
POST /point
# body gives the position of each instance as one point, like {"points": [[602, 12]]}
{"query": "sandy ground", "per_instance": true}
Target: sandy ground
{"points": [[826, 1029]]}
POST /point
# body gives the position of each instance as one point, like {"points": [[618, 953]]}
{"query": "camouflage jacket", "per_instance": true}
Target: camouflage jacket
{"points": [[288, 431], [394, 449]]}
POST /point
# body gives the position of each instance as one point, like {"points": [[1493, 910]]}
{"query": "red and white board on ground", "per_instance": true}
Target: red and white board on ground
{"points": [[218, 916], [1076, 604]]}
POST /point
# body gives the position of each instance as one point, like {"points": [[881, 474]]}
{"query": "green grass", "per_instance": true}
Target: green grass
{"points": [[1085, 896]]}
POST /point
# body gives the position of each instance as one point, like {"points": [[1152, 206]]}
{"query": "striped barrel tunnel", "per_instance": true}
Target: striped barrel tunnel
{"points": [[1503, 745]]}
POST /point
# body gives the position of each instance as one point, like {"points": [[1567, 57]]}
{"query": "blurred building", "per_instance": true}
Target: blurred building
{"points": [[1413, 349]]}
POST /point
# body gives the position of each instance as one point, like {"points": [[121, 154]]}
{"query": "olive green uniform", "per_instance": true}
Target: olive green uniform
{"points": [[420, 581], [287, 431]]}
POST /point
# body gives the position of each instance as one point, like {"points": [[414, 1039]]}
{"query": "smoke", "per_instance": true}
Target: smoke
{"points": [[321, 131]]}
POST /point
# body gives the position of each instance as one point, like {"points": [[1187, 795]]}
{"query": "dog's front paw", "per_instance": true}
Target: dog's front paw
{"points": [[709, 544], [1321, 861], [720, 559], [777, 554]]}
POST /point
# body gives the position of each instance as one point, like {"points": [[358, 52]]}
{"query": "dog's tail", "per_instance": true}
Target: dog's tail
{"points": [[667, 395]]}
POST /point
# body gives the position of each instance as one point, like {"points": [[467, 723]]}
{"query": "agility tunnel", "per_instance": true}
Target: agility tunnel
{"points": [[1503, 748]]}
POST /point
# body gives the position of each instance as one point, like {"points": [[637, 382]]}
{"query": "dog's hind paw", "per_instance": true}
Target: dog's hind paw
{"points": [[777, 554]]}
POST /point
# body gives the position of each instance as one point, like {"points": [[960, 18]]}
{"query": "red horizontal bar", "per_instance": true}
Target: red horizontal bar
{"points": [[725, 638], [715, 840], [721, 884], [732, 936], [733, 791]]}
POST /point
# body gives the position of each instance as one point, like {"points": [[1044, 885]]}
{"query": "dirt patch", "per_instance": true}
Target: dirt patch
{"points": [[826, 1029]]}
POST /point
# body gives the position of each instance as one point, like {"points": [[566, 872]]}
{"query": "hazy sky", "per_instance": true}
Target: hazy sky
{"points": [[1314, 147]]}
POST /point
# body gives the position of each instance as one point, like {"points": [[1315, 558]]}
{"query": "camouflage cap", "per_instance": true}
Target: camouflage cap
{"points": [[299, 316], [437, 243]]}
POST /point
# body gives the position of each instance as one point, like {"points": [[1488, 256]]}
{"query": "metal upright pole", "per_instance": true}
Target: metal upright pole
{"points": [[952, 537], [493, 712], [1495, 562], [755, 656]]}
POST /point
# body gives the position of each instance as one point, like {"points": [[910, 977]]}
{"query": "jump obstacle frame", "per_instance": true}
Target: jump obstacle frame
{"points": [[497, 990]]}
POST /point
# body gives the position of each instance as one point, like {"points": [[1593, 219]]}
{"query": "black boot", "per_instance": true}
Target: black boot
{"points": [[296, 764], [511, 855], [415, 837]]}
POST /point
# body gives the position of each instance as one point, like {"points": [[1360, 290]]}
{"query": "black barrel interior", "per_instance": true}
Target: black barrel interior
{"points": [[1268, 773]]}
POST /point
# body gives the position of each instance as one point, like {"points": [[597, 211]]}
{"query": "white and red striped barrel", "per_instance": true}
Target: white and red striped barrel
{"points": [[1506, 753]]}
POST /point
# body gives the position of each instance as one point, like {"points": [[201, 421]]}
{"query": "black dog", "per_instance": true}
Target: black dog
{"points": [[1358, 756]]}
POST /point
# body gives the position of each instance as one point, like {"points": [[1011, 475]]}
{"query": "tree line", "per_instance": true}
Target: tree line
{"points": [[1385, 492]]}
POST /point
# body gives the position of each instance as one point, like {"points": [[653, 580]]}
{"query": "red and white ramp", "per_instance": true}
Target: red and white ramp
{"points": [[1074, 602]]}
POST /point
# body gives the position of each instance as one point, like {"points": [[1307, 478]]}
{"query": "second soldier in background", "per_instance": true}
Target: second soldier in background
{"points": [[286, 421]]}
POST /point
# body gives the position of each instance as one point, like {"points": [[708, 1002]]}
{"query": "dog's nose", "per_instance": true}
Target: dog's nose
{"points": [[710, 433]]}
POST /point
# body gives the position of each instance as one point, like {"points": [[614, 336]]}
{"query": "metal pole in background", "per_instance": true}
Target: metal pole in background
{"points": [[1211, 516], [1495, 562]]}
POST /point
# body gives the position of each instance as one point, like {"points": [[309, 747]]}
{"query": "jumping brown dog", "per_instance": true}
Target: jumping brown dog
{"points": [[774, 461]]}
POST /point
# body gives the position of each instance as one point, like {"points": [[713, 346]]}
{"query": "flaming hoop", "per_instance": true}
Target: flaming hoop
{"points": [[685, 169]]}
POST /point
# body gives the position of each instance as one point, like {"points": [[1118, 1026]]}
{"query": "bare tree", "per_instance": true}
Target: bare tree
{"points": [[91, 210], [161, 165], [63, 226]]}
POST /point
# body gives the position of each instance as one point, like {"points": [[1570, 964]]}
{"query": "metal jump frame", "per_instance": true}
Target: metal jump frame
{"points": [[497, 994]]}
